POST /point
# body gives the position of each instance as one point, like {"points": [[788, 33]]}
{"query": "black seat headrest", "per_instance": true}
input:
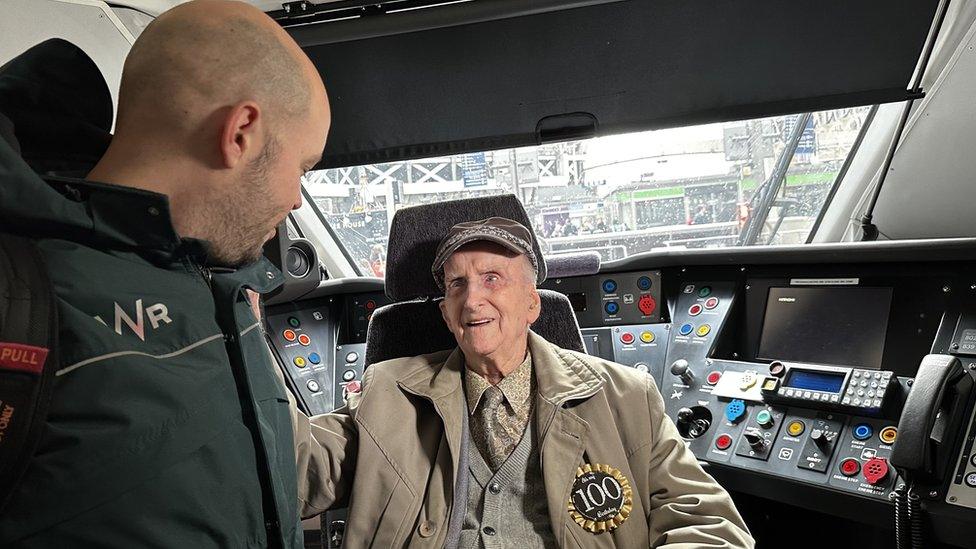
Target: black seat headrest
{"points": [[59, 105], [388, 336], [416, 231]]}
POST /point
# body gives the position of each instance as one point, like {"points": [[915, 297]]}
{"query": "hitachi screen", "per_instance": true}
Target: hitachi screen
{"points": [[826, 325]]}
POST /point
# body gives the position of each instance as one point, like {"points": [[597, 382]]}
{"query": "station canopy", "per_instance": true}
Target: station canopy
{"points": [[479, 75]]}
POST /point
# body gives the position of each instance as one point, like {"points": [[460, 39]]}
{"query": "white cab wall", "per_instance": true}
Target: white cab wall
{"points": [[91, 25], [930, 187]]}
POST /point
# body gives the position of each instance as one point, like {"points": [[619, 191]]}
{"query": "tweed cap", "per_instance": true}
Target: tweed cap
{"points": [[500, 230]]}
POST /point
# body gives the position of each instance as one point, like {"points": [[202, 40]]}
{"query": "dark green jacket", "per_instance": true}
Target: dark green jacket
{"points": [[167, 417]]}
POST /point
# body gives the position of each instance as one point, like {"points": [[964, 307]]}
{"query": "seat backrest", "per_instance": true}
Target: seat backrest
{"points": [[414, 328]]}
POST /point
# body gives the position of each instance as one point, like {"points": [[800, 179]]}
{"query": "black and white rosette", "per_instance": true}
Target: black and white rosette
{"points": [[601, 498]]}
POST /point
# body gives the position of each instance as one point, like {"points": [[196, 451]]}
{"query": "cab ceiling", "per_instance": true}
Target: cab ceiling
{"points": [[482, 75]]}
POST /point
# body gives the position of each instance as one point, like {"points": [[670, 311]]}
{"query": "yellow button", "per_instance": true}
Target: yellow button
{"points": [[796, 428], [888, 435], [703, 330], [769, 384], [747, 382], [647, 337], [300, 362]]}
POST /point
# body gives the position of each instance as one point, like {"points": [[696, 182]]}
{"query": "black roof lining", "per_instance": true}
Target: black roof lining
{"points": [[431, 82]]}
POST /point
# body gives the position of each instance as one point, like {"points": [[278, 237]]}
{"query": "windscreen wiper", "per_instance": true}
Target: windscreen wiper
{"points": [[766, 193]]}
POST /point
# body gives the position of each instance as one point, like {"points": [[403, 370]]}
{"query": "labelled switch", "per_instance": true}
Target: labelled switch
{"points": [[647, 337], [305, 340], [755, 440], [764, 419], [713, 377], [647, 305], [703, 330], [686, 329], [862, 431], [850, 467], [735, 410], [626, 338], [314, 358], [348, 375], [294, 322], [819, 437], [289, 335], [612, 307], [644, 283], [796, 428], [723, 442], [695, 309], [313, 385], [711, 303], [876, 470], [889, 435], [299, 361], [609, 286], [682, 369], [352, 357]]}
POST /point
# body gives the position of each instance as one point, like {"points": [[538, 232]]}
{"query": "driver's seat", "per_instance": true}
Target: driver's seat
{"points": [[412, 325]]}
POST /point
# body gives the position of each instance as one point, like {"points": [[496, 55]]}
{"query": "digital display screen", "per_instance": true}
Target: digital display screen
{"points": [[826, 325], [578, 301], [830, 382]]}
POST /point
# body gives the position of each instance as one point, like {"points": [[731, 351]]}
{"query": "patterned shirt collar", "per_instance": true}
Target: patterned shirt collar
{"points": [[516, 387]]}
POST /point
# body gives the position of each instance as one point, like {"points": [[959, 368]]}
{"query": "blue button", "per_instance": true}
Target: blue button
{"points": [[863, 431], [735, 410], [685, 329], [609, 285], [644, 283], [612, 307], [314, 358]]}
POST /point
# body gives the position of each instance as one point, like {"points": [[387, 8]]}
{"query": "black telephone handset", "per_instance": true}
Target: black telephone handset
{"points": [[930, 416]]}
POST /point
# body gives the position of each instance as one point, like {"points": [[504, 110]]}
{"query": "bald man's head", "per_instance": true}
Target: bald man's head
{"points": [[222, 111], [208, 53]]}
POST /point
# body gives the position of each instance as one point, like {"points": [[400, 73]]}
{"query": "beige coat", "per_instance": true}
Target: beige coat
{"points": [[392, 453]]}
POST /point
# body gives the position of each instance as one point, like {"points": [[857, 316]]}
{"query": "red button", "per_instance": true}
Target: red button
{"points": [[723, 442], [875, 470], [695, 310], [711, 303], [289, 335], [627, 338], [850, 467], [304, 340], [370, 305], [713, 378]]}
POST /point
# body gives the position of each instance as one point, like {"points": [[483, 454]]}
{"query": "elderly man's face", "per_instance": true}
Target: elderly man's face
{"points": [[490, 299]]}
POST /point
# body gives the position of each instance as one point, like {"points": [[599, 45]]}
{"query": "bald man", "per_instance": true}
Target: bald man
{"points": [[168, 426]]}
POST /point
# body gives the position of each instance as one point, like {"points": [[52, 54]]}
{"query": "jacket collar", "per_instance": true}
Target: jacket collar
{"points": [[560, 375]]}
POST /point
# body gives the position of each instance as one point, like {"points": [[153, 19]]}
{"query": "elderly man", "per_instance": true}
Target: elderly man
{"points": [[508, 440]]}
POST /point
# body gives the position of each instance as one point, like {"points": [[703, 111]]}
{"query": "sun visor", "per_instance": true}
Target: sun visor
{"points": [[480, 75]]}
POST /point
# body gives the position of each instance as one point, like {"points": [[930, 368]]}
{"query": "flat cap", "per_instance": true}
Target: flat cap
{"points": [[500, 230]]}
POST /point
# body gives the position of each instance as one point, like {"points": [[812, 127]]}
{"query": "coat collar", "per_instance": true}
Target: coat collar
{"points": [[560, 375]]}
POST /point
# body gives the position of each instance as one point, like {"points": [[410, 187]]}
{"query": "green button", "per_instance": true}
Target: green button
{"points": [[764, 418], [705, 291], [294, 322]]}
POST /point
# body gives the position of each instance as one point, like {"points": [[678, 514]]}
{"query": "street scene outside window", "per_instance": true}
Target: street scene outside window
{"points": [[692, 187]]}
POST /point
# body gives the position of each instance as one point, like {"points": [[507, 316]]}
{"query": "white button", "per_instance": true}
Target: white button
{"points": [[877, 403], [850, 391], [834, 398], [871, 394], [874, 384], [857, 373], [789, 392], [877, 375], [806, 394], [847, 400], [860, 392], [857, 402], [313, 385]]}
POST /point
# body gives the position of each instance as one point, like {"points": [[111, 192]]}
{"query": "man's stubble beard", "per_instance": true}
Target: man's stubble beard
{"points": [[238, 222]]}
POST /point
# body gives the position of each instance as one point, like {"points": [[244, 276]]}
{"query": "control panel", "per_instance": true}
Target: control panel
{"points": [[614, 299], [962, 488], [321, 347]]}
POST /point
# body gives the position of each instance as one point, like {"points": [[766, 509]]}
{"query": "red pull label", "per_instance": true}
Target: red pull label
{"points": [[23, 358]]}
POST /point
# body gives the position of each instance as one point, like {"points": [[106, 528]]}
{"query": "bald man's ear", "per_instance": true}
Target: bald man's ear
{"points": [[240, 134]]}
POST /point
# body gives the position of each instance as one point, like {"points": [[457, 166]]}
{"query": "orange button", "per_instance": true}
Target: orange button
{"points": [[304, 340], [289, 335]]}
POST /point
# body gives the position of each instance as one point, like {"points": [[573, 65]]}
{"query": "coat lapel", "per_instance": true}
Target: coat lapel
{"points": [[561, 378]]}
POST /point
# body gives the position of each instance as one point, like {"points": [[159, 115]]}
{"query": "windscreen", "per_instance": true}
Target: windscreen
{"points": [[826, 325], [691, 187]]}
